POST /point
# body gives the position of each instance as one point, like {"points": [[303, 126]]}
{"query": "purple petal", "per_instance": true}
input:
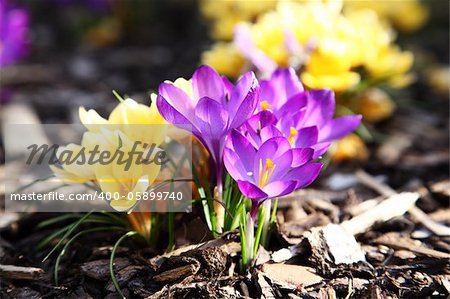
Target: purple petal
{"points": [[206, 82], [271, 149], [212, 122], [293, 104], [320, 149], [320, 107], [244, 149], [233, 164], [293, 119], [178, 99], [269, 132], [244, 99], [301, 156], [287, 83], [268, 92], [306, 137], [279, 188], [251, 191], [227, 85], [171, 114], [244, 42], [262, 119], [304, 175], [282, 165], [283, 84], [339, 127]]}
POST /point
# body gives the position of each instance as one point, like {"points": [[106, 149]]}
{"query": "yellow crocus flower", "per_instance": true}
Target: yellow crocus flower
{"points": [[225, 14], [115, 178], [127, 116], [406, 15], [125, 130], [329, 67], [393, 65], [225, 59], [375, 105], [351, 147]]}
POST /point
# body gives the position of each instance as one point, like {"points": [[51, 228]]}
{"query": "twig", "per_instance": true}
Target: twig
{"points": [[372, 183], [394, 206], [436, 228], [407, 244], [16, 272]]}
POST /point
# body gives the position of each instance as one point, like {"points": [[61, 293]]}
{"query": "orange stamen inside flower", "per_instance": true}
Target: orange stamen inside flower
{"points": [[292, 134], [266, 173], [265, 105]]}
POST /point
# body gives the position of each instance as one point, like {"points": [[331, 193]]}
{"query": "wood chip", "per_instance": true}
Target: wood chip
{"points": [[394, 206], [291, 275], [418, 214], [25, 273], [393, 148], [332, 245], [442, 187], [396, 241], [177, 274], [99, 269], [265, 288], [437, 228]]}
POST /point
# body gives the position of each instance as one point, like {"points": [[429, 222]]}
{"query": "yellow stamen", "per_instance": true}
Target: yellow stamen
{"points": [[292, 134], [264, 175], [265, 105]]}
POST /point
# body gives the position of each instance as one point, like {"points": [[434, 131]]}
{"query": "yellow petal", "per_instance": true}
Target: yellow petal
{"points": [[90, 119]]}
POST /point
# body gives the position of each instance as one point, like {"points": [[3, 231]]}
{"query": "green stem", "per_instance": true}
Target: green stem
{"points": [[171, 229], [71, 240], [266, 207], [111, 261]]}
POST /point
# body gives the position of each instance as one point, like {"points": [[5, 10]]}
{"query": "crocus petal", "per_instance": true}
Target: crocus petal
{"points": [[286, 83], [227, 85], [293, 119], [212, 122], [177, 97], [279, 188], [244, 149], [244, 99], [304, 175], [271, 149], [262, 119], [339, 127], [320, 149], [206, 82], [306, 137], [300, 156], [269, 132], [244, 42], [295, 103], [251, 191], [282, 165], [171, 114], [234, 165], [268, 92], [320, 107]]}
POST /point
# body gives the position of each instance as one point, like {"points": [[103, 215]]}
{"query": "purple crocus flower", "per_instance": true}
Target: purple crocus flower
{"points": [[272, 170], [13, 33], [211, 106], [299, 110]]}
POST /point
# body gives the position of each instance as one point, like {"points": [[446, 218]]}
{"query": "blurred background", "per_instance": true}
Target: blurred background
{"points": [[57, 55]]}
